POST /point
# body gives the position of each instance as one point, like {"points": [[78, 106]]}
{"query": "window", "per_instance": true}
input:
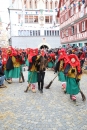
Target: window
{"points": [[52, 32], [31, 32], [35, 19], [30, 19], [47, 19], [19, 33], [83, 26], [50, 19], [67, 32], [35, 4], [77, 28], [62, 19], [72, 30], [56, 19], [72, 11], [24, 33], [46, 4], [57, 33], [66, 16], [56, 4], [64, 46], [38, 32], [47, 32], [13, 1], [26, 18], [79, 6], [27, 32], [30, 5], [19, 18], [24, 1], [51, 5], [80, 44], [62, 34]]}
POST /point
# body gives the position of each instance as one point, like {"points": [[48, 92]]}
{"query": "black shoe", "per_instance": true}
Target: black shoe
{"points": [[41, 91]]}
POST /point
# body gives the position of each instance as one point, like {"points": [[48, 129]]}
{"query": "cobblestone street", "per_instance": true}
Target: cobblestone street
{"points": [[52, 110]]}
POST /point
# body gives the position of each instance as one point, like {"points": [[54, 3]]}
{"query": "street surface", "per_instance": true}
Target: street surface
{"points": [[52, 110]]}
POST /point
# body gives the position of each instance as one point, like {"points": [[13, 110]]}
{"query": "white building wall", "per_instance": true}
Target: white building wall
{"points": [[24, 42], [34, 42], [15, 26]]}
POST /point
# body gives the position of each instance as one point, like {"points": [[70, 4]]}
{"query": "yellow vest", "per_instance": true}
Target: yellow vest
{"points": [[33, 68], [15, 62], [61, 67], [74, 75]]}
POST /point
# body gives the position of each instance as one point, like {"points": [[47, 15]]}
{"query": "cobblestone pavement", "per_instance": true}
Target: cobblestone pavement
{"points": [[52, 110]]}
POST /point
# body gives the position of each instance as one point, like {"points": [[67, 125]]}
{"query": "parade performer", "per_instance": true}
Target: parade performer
{"points": [[73, 72], [27, 55], [51, 60], [41, 65], [20, 58], [9, 65], [13, 65], [32, 71], [4, 61], [81, 57], [62, 61]]}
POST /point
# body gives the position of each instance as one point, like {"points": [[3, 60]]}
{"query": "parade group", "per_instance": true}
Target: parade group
{"points": [[67, 63]]}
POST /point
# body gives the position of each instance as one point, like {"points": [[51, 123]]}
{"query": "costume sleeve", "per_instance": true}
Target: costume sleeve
{"points": [[57, 66]]}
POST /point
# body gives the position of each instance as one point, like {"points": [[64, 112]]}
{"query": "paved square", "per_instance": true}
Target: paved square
{"points": [[52, 110]]}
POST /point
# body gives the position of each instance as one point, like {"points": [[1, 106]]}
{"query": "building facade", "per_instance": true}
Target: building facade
{"points": [[3, 36], [72, 16], [34, 18]]}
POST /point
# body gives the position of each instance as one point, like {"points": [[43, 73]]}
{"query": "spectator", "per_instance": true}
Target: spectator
{"points": [[2, 76]]}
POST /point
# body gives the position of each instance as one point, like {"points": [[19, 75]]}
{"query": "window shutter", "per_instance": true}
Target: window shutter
{"points": [[63, 18], [79, 6], [85, 3], [80, 27], [86, 24], [75, 29], [60, 20], [60, 34], [68, 14], [70, 31], [71, 1]]}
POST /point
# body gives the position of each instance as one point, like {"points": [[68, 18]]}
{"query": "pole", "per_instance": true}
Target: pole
{"points": [[10, 40]]}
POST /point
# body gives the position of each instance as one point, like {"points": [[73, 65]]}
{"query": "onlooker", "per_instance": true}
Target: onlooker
{"points": [[2, 76]]}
